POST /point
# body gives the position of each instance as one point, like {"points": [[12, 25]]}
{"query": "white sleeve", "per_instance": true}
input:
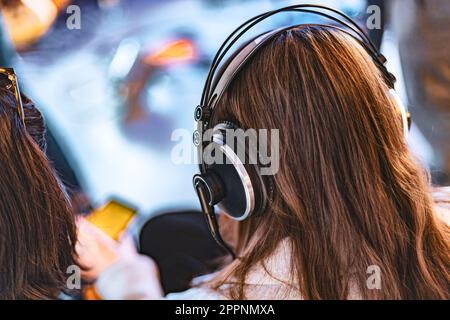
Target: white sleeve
{"points": [[130, 279], [137, 279], [195, 294]]}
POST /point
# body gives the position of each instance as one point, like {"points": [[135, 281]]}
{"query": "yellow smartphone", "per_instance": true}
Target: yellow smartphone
{"points": [[112, 218]]}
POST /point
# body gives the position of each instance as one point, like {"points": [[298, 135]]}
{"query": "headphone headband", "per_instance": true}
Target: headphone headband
{"points": [[303, 8], [236, 62]]}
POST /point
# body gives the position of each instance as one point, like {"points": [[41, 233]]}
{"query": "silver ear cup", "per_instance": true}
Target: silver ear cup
{"points": [[244, 189], [239, 200]]}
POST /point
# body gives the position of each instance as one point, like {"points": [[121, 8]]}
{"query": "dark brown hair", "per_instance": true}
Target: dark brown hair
{"points": [[37, 227], [348, 194]]}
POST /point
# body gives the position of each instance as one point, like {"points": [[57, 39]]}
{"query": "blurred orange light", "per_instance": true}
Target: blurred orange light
{"points": [[182, 50], [30, 20]]}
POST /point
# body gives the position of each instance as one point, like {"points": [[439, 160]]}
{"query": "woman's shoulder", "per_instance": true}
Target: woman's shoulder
{"points": [[441, 197], [199, 292]]}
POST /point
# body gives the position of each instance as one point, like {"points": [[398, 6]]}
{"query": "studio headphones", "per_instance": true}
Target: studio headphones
{"points": [[240, 190]]}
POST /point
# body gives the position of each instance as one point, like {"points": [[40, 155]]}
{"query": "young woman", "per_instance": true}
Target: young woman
{"points": [[348, 198], [37, 227]]}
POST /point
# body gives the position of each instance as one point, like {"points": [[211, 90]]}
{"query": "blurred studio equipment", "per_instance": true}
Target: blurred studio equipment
{"points": [[422, 28], [169, 54]]}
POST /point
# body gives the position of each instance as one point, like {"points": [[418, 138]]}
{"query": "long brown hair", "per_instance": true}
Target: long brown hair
{"points": [[37, 227], [348, 194]]}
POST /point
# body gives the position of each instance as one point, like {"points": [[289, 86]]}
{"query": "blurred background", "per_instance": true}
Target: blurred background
{"points": [[114, 89]]}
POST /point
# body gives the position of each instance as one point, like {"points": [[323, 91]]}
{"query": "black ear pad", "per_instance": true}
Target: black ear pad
{"points": [[239, 198], [244, 191]]}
